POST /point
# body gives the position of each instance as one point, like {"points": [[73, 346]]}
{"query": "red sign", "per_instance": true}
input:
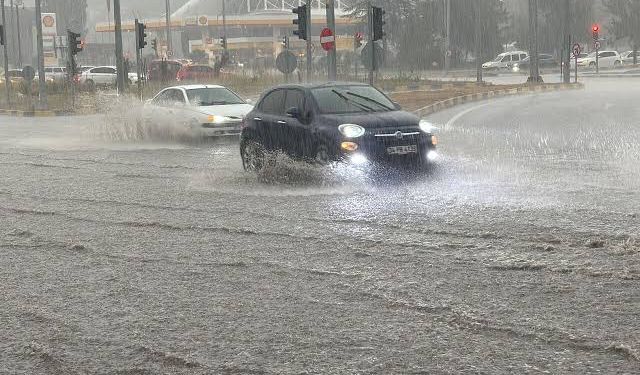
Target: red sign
{"points": [[327, 39]]}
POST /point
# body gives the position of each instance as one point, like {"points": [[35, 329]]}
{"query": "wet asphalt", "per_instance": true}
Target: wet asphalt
{"points": [[123, 253]]}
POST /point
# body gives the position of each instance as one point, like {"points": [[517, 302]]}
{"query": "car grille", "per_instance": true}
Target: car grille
{"points": [[391, 136]]}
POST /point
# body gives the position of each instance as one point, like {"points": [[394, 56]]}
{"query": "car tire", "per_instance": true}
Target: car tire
{"points": [[253, 154], [592, 65], [90, 85], [617, 64]]}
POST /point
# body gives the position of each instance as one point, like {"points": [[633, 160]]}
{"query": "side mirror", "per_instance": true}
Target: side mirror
{"points": [[294, 112], [397, 106], [249, 101]]}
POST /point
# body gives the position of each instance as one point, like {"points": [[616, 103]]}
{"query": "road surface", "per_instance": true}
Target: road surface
{"points": [[520, 253]]}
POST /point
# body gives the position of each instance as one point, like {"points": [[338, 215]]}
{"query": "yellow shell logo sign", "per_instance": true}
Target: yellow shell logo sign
{"points": [[48, 21], [203, 20]]}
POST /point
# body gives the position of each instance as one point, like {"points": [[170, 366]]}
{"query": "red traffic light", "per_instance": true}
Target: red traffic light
{"points": [[595, 28]]}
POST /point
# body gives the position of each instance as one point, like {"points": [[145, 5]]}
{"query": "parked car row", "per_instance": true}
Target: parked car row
{"points": [[520, 60]]}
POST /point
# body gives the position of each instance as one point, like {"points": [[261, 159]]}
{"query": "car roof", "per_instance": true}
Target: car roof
{"points": [[194, 87], [318, 85]]}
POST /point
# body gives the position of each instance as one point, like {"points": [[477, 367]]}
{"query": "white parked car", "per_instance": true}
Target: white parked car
{"points": [[606, 59], [627, 57], [208, 110], [505, 60], [98, 76]]}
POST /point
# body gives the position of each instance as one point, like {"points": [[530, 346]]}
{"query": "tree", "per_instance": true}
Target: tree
{"points": [[626, 21]]}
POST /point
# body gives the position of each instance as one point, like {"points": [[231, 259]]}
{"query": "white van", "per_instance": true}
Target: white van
{"points": [[505, 60]]}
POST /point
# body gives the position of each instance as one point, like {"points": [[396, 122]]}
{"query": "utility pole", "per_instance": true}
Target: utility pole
{"points": [[225, 51], [13, 32], [332, 57], [309, 43], [566, 48], [447, 42], [478, 51], [372, 49], [534, 71], [168, 25], [18, 3], [42, 84], [7, 81], [119, 58]]}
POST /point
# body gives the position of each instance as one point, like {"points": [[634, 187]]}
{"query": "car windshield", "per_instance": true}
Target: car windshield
{"points": [[203, 97], [498, 58], [351, 99]]}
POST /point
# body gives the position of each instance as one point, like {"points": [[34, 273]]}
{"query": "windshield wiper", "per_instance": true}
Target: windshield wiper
{"points": [[346, 99], [370, 100]]}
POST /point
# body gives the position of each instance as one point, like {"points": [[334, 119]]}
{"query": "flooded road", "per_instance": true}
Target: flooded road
{"points": [[519, 253]]}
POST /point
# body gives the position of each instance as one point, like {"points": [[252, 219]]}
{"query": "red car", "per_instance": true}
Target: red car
{"points": [[155, 69], [195, 73]]}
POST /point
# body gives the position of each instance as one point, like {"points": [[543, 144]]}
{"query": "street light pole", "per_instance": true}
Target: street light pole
{"points": [[478, 52], [168, 25], [18, 3], [447, 43], [119, 58], [566, 41], [534, 71], [225, 52], [332, 57], [7, 80], [42, 84]]}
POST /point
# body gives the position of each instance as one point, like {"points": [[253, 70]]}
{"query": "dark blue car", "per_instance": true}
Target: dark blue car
{"points": [[343, 122]]}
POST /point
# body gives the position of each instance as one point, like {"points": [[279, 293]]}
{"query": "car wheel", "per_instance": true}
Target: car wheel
{"points": [[253, 155], [322, 155], [617, 64], [592, 65], [90, 85]]}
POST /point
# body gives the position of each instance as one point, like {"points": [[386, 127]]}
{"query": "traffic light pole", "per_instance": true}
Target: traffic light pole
{"points": [[478, 41], [331, 23], [309, 44], [7, 81], [138, 53], [566, 56]]}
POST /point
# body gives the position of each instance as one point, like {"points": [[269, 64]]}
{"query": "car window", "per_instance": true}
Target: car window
{"points": [[523, 56], [176, 96], [351, 99], [110, 70], [294, 99], [516, 57], [162, 98], [506, 58], [48, 70], [273, 103], [607, 54], [213, 96]]}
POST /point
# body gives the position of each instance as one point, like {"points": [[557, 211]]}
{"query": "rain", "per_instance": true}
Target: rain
{"points": [[380, 187]]}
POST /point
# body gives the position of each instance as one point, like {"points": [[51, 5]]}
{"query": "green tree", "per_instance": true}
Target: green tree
{"points": [[626, 21]]}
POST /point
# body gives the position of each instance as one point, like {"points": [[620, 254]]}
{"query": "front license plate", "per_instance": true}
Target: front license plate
{"points": [[402, 150]]}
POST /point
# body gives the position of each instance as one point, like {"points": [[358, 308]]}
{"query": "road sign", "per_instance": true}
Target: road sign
{"points": [[577, 49], [287, 62], [28, 73], [327, 39], [366, 55], [597, 45]]}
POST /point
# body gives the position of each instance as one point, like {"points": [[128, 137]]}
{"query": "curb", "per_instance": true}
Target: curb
{"points": [[16, 113], [459, 100]]}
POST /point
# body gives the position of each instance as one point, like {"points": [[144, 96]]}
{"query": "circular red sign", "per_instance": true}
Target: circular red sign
{"points": [[327, 39]]}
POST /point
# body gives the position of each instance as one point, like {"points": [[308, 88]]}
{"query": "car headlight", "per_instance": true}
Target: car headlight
{"points": [[427, 127], [351, 130], [215, 119]]}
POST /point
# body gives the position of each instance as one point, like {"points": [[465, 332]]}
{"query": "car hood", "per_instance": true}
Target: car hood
{"points": [[490, 63], [375, 120], [231, 110]]}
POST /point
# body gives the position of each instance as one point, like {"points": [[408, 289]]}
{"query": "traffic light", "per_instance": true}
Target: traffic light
{"points": [[154, 45], [142, 35], [223, 42], [301, 21], [595, 29], [378, 23], [285, 42], [75, 44], [358, 39], [1, 35]]}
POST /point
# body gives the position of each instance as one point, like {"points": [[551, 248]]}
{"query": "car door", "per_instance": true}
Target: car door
{"points": [[269, 119], [297, 135]]}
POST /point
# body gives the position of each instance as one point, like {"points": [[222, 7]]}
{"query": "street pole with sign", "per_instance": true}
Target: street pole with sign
{"points": [[167, 7], [18, 4]]}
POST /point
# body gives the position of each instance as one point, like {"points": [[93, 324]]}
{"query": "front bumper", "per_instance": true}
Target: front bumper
{"points": [[229, 129], [414, 147]]}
